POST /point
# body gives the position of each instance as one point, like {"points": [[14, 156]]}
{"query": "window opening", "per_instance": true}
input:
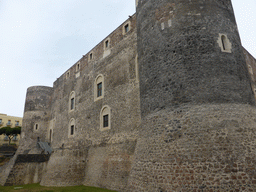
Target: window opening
{"points": [[126, 28], [36, 126], [72, 102], [99, 89], [105, 121], [105, 118], [90, 56], [72, 130], [106, 44], [223, 39]]}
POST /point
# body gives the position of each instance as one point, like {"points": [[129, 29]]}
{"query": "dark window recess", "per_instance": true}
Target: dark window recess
{"points": [[72, 102], [36, 126], [223, 38], [78, 66], [91, 56], [126, 28], [99, 89], [105, 121], [106, 44], [72, 130]]}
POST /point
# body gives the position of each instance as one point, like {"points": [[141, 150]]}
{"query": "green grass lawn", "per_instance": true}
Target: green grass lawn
{"points": [[38, 188]]}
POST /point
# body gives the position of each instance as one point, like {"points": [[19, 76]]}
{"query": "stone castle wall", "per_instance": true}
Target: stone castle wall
{"points": [[27, 169], [92, 155], [179, 100]]}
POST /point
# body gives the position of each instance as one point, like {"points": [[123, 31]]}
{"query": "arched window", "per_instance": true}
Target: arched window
{"points": [[72, 101], [99, 87], [71, 128], [224, 43], [105, 118]]}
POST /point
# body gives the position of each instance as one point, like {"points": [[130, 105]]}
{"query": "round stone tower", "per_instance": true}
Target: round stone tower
{"points": [[36, 117], [197, 106]]}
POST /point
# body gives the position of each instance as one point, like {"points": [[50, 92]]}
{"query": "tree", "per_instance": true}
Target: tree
{"points": [[10, 132]]}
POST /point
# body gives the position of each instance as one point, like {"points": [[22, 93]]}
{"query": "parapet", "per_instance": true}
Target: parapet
{"points": [[38, 98]]}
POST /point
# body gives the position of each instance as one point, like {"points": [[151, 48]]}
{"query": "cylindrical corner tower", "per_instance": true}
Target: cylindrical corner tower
{"points": [[190, 52], [36, 116], [198, 114]]}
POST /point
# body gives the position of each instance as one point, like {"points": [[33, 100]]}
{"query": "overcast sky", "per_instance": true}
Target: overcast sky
{"points": [[40, 40]]}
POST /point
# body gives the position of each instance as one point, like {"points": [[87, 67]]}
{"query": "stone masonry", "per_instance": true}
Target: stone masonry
{"points": [[165, 103]]}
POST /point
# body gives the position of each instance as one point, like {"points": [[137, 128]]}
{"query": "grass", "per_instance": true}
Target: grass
{"points": [[38, 188]]}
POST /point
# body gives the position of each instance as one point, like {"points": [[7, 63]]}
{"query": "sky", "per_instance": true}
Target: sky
{"points": [[40, 40]]}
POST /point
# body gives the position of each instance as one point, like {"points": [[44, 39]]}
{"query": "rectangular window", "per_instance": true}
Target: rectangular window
{"points": [[72, 102], [72, 130], [36, 126], [105, 121], [90, 56], [9, 122], [106, 44], [99, 89], [17, 123], [126, 28], [0, 121]]}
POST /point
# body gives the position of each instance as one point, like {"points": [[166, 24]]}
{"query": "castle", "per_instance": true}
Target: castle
{"points": [[164, 103]]}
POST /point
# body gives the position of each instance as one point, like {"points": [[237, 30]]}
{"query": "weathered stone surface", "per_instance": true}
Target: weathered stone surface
{"points": [[196, 148], [26, 169], [180, 102]]}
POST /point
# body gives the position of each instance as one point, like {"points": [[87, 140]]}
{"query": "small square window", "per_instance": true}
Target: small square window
{"points": [[99, 89], [72, 130], [105, 121]]}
